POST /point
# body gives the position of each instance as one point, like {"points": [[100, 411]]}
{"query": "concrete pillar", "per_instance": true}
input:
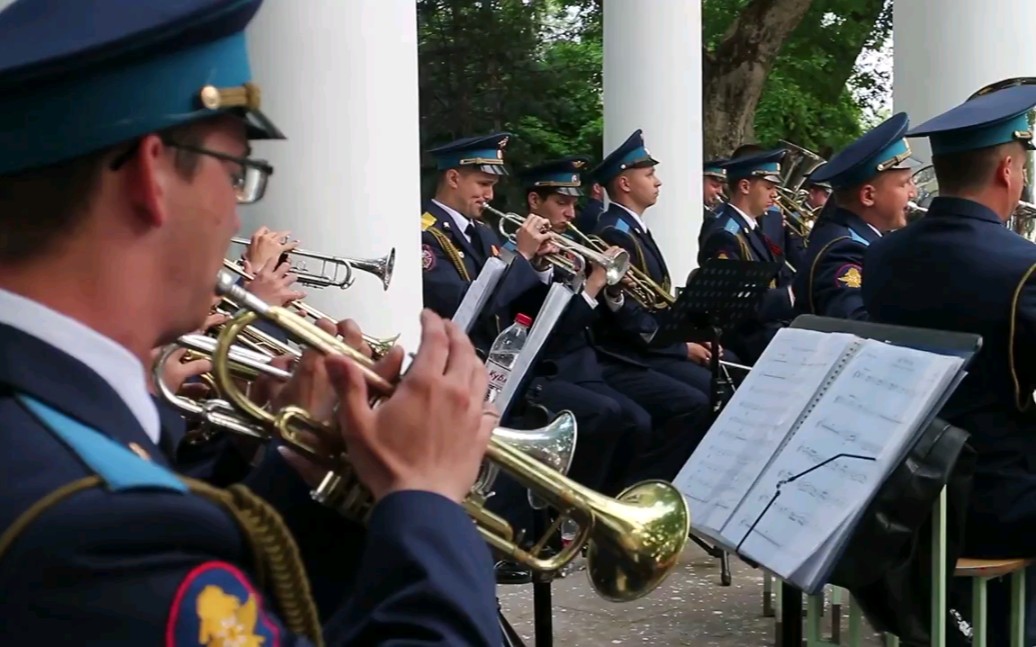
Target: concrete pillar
{"points": [[340, 79], [652, 80], [947, 49]]}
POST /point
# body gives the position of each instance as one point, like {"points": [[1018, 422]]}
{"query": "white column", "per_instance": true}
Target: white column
{"points": [[340, 79], [652, 81], [947, 49]]}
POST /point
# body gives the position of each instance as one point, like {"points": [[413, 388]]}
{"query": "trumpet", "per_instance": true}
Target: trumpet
{"points": [[380, 346], [615, 266], [214, 413], [641, 287], [336, 270], [633, 541]]}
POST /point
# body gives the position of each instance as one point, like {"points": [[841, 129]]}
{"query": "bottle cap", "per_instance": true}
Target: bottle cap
{"points": [[524, 320]]}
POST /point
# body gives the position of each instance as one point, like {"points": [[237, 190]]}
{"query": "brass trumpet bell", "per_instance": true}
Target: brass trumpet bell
{"points": [[615, 266], [633, 542]]}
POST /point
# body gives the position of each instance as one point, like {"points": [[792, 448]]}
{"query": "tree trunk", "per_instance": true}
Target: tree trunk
{"points": [[734, 74], [867, 12]]}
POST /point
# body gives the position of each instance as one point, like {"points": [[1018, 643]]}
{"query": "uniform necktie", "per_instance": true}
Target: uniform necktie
{"points": [[476, 239]]}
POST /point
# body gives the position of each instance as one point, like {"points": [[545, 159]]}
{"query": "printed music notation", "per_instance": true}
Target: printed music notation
{"points": [[843, 449], [753, 425]]}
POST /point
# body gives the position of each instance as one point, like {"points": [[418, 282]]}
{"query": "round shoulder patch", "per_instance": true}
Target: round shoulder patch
{"points": [[427, 257], [216, 605], [849, 275]]}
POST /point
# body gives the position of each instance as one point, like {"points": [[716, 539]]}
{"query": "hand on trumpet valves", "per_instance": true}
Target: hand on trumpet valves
{"points": [[531, 237], [432, 432], [598, 278], [273, 283], [267, 245]]}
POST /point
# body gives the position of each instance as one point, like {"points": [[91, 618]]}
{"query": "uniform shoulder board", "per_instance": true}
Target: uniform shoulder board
{"points": [[858, 238], [622, 226], [731, 226], [120, 468], [427, 220]]}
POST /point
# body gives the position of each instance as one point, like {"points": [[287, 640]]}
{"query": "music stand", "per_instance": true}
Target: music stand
{"points": [[718, 295], [944, 342]]}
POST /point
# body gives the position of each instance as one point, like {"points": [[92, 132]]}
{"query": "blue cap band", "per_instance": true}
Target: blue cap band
{"points": [[1015, 129], [886, 159], [480, 157], [47, 123]]}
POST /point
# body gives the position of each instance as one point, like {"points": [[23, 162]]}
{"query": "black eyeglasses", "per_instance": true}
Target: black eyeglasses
{"points": [[249, 183]]}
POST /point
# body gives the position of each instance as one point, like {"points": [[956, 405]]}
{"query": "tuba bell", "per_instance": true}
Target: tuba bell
{"points": [[633, 541]]}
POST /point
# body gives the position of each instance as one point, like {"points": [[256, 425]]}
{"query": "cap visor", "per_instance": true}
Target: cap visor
{"points": [[910, 163], [493, 169], [259, 127], [776, 179], [570, 190]]}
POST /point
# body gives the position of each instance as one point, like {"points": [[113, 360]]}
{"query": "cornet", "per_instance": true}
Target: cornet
{"points": [[338, 271], [615, 266], [632, 541]]}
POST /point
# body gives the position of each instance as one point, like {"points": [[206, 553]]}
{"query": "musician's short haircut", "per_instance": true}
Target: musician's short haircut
{"points": [[42, 206], [971, 170]]}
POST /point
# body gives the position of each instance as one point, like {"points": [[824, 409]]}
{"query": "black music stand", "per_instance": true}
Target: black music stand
{"points": [[718, 295]]}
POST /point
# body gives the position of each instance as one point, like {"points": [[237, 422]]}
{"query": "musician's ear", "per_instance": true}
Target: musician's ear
{"points": [[533, 200]]}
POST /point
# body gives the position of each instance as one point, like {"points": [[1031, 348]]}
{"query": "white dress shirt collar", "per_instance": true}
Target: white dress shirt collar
{"points": [[459, 221], [752, 222], [112, 362]]}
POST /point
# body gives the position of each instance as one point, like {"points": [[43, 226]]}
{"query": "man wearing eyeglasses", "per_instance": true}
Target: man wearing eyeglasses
{"points": [[124, 130]]}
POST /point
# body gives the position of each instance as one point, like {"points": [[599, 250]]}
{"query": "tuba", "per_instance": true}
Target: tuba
{"points": [[633, 541], [796, 166], [336, 271]]}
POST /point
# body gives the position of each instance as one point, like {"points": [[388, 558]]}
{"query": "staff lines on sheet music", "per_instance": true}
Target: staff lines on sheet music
{"points": [[851, 436], [859, 406]]}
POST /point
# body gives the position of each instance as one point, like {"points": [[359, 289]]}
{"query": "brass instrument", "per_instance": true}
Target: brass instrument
{"points": [[379, 346], [633, 541], [798, 163], [337, 271], [796, 166], [1021, 222], [214, 412], [641, 287], [615, 266]]}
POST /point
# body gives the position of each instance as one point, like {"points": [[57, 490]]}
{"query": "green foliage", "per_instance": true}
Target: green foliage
{"points": [[815, 96], [534, 68]]}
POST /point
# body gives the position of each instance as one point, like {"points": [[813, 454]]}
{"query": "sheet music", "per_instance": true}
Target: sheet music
{"points": [[750, 429], [478, 293], [554, 306], [874, 408]]}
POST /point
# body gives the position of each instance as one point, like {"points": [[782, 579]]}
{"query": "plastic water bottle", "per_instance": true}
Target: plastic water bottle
{"points": [[503, 354]]}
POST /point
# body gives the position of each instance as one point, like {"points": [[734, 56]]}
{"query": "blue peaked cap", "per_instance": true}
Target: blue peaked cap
{"points": [[764, 166], [986, 120], [561, 175], [77, 76], [882, 148], [714, 168], [485, 152], [631, 154]]}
